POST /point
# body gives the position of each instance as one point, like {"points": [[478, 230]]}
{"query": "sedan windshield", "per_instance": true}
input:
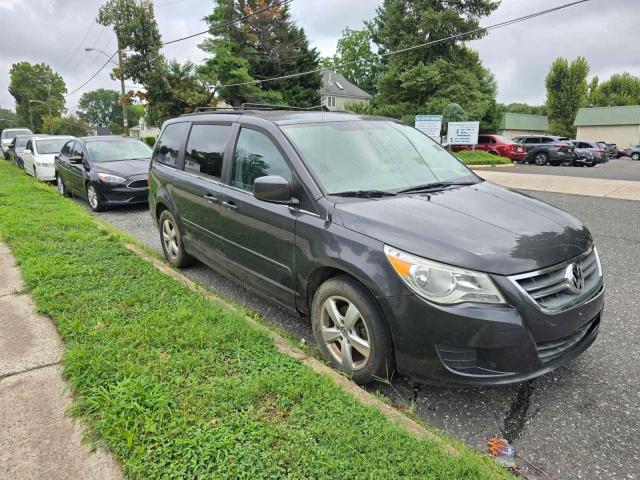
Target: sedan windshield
{"points": [[374, 155], [117, 150], [51, 145]]}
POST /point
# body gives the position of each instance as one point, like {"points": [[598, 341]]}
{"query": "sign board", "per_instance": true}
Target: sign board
{"points": [[463, 133], [429, 125]]}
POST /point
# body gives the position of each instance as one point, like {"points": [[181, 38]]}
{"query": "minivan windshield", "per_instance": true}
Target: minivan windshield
{"points": [[117, 150], [374, 155], [14, 133]]}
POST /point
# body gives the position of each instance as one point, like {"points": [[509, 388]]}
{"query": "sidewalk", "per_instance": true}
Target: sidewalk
{"points": [[37, 439], [592, 187]]}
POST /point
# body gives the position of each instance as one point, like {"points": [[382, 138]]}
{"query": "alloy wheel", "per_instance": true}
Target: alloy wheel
{"points": [[92, 196], [541, 159], [635, 156], [345, 333], [170, 238]]}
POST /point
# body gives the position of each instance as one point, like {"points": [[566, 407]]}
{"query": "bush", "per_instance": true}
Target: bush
{"points": [[478, 157], [151, 141]]}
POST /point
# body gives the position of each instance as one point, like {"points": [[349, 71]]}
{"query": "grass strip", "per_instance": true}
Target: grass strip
{"points": [[478, 157], [178, 387]]}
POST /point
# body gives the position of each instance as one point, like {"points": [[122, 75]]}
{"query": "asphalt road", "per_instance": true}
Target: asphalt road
{"points": [[581, 421], [618, 169]]}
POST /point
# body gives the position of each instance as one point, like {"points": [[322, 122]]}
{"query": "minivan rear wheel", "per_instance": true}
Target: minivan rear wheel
{"points": [[171, 241], [350, 330]]}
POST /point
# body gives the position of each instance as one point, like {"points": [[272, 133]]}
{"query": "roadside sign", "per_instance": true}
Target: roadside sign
{"points": [[463, 133], [429, 125]]}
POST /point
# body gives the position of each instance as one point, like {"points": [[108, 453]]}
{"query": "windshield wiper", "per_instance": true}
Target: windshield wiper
{"points": [[434, 186], [364, 194]]}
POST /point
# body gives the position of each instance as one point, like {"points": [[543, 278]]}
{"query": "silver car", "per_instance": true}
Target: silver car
{"points": [[8, 134], [39, 154]]}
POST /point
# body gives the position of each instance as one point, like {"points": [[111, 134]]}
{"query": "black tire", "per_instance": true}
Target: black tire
{"points": [[541, 158], [62, 189], [343, 292], [635, 156], [591, 164], [171, 241], [93, 198]]}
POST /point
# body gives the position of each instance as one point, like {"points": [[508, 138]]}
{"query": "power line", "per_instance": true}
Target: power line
{"points": [[210, 30], [415, 47]]}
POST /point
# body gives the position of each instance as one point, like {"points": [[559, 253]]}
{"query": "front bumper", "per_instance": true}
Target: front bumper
{"points": [[130, 193], [471, 344], [46, 174]]}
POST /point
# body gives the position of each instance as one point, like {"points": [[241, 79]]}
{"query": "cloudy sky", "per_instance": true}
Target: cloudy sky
{"points": [[57, 31]]}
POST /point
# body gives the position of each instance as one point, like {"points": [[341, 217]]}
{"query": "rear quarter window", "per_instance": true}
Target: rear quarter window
{"points": [[168, 146]]}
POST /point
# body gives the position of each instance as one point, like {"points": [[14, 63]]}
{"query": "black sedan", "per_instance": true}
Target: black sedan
{"points": [[106, 171]]}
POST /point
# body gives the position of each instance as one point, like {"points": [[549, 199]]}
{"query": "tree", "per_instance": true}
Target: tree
{"points": [[426, 80], [525, 108], [567, 90], [67, 126], [265, 45], [36, 88], [621, 89], [8, 119], [171, 88], [99, 107], [452, 113], [355, 59]]}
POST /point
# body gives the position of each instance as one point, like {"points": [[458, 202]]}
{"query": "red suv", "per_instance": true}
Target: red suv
{"points": [[496, 145]]}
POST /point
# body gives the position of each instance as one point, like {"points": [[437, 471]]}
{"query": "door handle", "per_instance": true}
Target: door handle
{"points": [[210, 198], [231, 206]]}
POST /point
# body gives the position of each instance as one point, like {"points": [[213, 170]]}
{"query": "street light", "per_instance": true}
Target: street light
{"points": [[125, 115]]}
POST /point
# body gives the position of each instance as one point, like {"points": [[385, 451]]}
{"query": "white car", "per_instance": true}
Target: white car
{"points": [[7, 136], [39, 155]]}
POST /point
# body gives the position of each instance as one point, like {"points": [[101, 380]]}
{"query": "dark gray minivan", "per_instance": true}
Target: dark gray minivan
{"points": [[403, 258]]}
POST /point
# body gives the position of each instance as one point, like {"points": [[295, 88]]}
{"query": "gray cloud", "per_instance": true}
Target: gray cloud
{"points": [[604, 31]]}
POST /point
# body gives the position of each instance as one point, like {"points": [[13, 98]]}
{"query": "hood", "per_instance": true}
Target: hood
{"points": [[123, 168], [482, 227]]}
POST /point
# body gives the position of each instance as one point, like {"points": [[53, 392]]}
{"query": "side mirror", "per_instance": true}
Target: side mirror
{"points": [[272, 188], [75, 160]]}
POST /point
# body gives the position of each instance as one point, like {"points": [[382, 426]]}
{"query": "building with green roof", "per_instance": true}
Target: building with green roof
{"points": [[619, 125], [515, 124]]}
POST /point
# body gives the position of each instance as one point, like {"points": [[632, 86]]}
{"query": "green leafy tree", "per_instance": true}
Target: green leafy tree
{"points": [[8, 119], [36, 87], [621, 89], [452, 113], [525, 108], [99, 107], [265, 45], [567, 91], [426, 80], [355, 59], [68, 125], [171, 88]]}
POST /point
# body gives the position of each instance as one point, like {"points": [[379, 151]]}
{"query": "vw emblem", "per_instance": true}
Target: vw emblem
{"points": [[574, 278]]}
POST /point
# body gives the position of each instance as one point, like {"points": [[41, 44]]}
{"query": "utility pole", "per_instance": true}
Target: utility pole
{"points": [[125, 114]]}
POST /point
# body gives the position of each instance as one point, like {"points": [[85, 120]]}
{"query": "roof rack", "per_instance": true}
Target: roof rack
{"points": [[267, 106], [207, 109]]}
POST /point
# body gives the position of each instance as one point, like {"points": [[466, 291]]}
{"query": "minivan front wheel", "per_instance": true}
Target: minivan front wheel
{"points": [[172, 241], [350, 330]]}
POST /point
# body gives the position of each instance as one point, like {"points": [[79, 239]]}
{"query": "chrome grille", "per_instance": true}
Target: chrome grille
{"points": [[549, 289]]}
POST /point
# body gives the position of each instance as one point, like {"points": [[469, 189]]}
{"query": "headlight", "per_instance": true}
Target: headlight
{"points": [[44, 164], [106, 178], [442, 283]]}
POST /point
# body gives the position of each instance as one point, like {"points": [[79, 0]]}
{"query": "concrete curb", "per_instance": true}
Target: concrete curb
{"points": [[492, 165], [591, 187], [358, 393]]}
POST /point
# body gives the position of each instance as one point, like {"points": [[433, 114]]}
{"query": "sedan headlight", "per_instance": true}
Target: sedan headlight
{"points": [[43, 164], [442, 283], [107, 178]]}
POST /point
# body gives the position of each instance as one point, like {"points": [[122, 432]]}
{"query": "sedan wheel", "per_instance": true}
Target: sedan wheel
{"points": [[94, 199], [635, 156], [62, 190], [541, 158], [350, 330]]}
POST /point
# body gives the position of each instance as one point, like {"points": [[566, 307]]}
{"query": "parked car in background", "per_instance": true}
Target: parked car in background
{"points": [[16, 147], [633, 151], [496, 145], [38, 157], [615, 151], [543, 149], [598, 154], [106, 171], [608, 150], [8, 135], [402, 256]]}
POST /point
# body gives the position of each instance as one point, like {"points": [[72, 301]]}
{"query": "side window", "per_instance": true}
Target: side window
{"points": [[77, 150], [29, 146], [532, 140], [66, 149], [256, 156], [546, 140], [167, 149], [205, 149], [482, 140]]}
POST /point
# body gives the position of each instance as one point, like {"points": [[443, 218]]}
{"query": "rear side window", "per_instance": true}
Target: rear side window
{"points": [[546, 140], [167, 149], [256, 156], [205, 149], [482, 140], [532, 140]]}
